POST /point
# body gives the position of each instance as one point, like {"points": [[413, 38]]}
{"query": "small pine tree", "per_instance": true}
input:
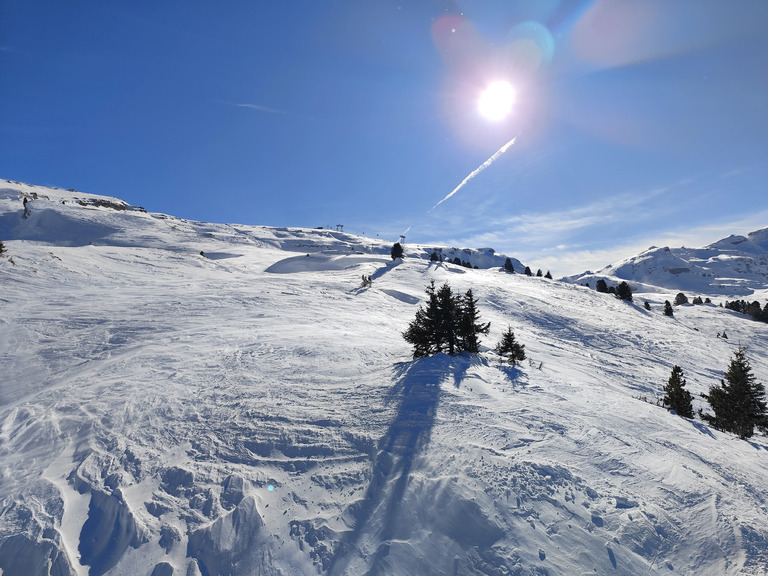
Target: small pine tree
{"points": [[676, 396], [397, 251], [624, 292], [681, 299], [433, 257], [739, 402], [509, 348], [508, 266], [647, 305], [539, 273], [469, 326], [447, 320], [601, 286], [548, 275], [697, 300], [528, 271], [612, 290], [668, 309], [421, 332]]}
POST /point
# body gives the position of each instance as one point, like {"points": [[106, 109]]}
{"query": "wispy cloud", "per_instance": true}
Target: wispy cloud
{"points": [[260, 108], [573, 258], [575, 240], [563, 222]]}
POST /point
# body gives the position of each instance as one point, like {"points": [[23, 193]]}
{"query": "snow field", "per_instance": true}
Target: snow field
{"points": [[151, 395]]}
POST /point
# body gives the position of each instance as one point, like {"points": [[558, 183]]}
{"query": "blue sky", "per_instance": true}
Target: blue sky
{"points": [[637, 123]]}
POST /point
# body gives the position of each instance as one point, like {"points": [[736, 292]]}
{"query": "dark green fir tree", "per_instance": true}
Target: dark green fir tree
{"points": [[624, 292], [676, 396], [509, 348], [470, 326], [739, 402]]}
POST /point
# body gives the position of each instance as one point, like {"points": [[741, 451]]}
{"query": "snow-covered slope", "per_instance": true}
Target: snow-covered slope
{"points": [[734, 266], [187, 398]]}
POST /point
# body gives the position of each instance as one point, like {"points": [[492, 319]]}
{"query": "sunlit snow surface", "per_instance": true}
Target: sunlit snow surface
{"points": [[151, 395]]}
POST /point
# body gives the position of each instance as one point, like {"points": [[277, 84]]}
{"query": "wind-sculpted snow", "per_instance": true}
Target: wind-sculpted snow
{"points": [[253, 409]]}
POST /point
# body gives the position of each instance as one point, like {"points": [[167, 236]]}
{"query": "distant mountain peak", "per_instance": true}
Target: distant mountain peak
{"points": [[735, 265]]}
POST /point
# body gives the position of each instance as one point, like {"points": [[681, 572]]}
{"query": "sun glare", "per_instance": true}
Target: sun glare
{"points": [[496, 101]]}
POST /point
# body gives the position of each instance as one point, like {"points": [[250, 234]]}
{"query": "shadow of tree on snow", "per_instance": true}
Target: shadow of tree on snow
{"points": [[418, 390]]}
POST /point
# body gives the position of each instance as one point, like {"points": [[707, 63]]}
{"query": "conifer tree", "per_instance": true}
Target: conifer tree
{"points": [[470, 326], [447, 319], [647, 305], [539, 273], [509, 348], [421, 332], [446, 323], [548, 275], [397, 251], [508, 266], [2, 248], [433, 257], [668, 308], [739, 402], [624, 292], [528, 271], [601, 286], [681, 299], [676, 396]]}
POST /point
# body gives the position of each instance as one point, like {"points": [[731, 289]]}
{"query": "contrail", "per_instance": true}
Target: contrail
{"points": [[477, 171]]}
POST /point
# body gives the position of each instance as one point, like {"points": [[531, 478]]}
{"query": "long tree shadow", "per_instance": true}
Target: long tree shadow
{"points": [[408, 435], [388, 267]]}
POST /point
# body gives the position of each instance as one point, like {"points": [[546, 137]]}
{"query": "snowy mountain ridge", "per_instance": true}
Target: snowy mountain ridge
{"points": [[184, 398], [733, 266]]}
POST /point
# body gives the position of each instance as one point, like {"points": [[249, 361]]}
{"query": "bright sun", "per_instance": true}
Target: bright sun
{"points": [[496, 101]]}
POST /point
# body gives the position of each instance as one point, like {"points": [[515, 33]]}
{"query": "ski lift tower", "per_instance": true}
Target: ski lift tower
{"points": [[339, 227], [402, 238]]}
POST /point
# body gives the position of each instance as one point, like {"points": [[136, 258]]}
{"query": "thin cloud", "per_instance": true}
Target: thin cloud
{"points": [[260, 108], [555, 240], [573, 259], [612, 209]]}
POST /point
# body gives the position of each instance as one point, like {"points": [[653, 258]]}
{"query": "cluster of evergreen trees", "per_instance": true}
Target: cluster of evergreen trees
{"points": [[622, 291], [738, 403], [451, 324], [539, 274], [447, 323], [752, 309]]}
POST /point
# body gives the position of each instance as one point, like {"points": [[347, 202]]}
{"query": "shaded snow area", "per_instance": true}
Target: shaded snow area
{"points": [[733, 266], [254, 410]]}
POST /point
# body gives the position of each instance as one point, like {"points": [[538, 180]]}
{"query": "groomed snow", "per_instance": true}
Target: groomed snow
{"points": [[151, 395]]}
